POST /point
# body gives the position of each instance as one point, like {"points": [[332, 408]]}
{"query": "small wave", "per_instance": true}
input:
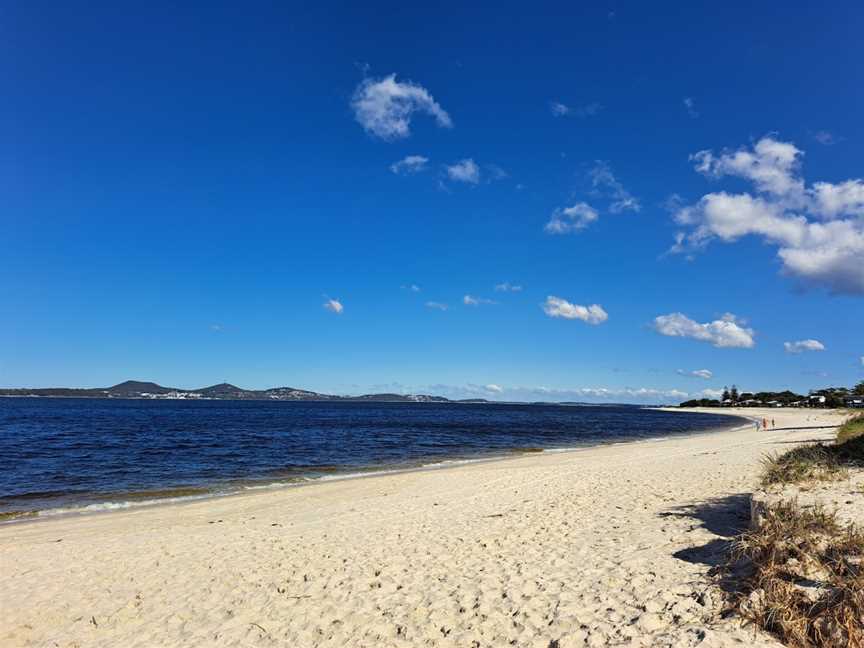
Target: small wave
{"points": [[8, 516], [123, 504]]}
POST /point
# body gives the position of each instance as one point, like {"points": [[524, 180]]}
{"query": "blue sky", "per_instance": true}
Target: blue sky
{"points": [[186, 190]]}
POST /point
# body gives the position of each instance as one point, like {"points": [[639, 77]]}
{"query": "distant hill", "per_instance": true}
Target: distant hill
{"points": [[135, 387], [222, 391]]}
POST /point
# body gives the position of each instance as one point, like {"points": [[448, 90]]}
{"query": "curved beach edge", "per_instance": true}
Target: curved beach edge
{"points": [[607, 544]]}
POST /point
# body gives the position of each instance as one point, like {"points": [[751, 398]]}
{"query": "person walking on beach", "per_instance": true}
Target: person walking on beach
{"points": [[773, 424], [764, 423]]}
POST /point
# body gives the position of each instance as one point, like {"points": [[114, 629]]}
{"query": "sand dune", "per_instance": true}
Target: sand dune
{"points": [[606, 546]]}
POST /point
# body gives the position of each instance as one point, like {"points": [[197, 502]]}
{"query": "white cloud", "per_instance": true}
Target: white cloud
{"points": [[558, 109], [218, 328], [464, 171], [571, 219], [803, 345], [409, 164], [727, 332], [772, 165], [436, 305], [605, 182], [384, 107], [862, 361], [507, 287], [712, 393], [414, 288], [842, 199], [690, 106], [557, 307], [334, 306], [540, 393], [818, 230], [470, 300], [562, 110], [605, 185], [697, 373]]}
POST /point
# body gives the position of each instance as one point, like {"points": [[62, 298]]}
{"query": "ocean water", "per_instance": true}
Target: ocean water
{"points": [[61, 455]]}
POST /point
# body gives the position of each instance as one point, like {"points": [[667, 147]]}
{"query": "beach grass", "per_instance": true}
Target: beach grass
{"points": [[819, 461], [804, 580], [804, 571], [851, 429]]}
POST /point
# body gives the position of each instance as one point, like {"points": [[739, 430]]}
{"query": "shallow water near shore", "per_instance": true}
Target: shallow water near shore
{"points": [[65, 455]]}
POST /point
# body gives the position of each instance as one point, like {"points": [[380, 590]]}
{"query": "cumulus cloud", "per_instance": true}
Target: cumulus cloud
{"points": [[384, 107], [557, 307], [436, 305], [507, 287], [463, 171], [818, 230], [711, 393], [605, 183], [803, 345], [495, 389], [726, 332], [571, 219], [470, 300], [334, 306], [772, 166], [690, 106], [412, 287], [409, 164], [697, 373]]}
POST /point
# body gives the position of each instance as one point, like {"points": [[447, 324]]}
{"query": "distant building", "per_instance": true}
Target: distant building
{"points": [[750, 402], [856, 402]]}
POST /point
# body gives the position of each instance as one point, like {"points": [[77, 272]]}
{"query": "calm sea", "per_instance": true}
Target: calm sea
{"points": [[61, 454]]}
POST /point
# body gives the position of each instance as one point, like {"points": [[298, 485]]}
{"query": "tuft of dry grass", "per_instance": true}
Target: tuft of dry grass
{"points": [[851, 429], [817, 462], [820, 461], [804, 578]]}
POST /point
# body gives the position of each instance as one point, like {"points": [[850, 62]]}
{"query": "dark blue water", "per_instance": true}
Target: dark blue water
{"points": [[58, 453]]}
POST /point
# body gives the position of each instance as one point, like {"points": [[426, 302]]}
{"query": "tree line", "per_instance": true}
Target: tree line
{"points": [[833, 397]]}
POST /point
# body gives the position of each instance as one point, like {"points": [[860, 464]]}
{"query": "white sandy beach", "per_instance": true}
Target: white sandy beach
{"points": [[605, 546]]}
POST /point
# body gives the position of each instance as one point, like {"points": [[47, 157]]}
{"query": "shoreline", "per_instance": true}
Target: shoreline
{"points": [[605, 545], [137, 499]]}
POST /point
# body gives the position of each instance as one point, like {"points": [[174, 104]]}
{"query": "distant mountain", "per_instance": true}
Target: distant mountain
{"points": [[136, 387], [222, 391]]}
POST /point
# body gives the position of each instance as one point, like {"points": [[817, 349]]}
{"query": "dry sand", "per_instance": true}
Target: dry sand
{"points": [[605, 546]]}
